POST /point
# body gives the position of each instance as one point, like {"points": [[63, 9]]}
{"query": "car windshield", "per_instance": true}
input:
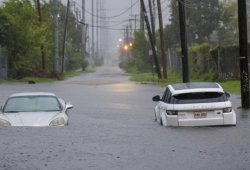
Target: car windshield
{"points": [[32, 104], [201, 97]]}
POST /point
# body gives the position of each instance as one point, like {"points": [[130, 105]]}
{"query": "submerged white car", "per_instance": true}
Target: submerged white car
{"points": [[194, 104], [34, 109]]}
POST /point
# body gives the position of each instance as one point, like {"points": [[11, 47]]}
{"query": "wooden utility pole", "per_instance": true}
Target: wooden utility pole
{"points": [[152, 19], [184, 48], [97, 29], [56, 38], [40, 21], [143, 8], [244, 73], [64, 36], [142, 19], [92, 36], [163, 52], [84, 30]]}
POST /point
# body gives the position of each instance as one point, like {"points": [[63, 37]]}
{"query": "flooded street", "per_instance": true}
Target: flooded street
{"points": [[112, 127]]}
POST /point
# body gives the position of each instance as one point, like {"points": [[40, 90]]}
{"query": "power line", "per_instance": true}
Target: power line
{"points": [[114, 16], [102, 27]]}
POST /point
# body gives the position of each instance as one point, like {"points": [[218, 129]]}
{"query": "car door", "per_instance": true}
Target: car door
{"points": [[160, 105], [166, 107]]}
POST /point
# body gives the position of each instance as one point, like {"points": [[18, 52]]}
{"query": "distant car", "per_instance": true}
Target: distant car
{"points": [[194, 104], [34, 109]]}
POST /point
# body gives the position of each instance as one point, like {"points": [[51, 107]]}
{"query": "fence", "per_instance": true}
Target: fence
{"points": [[222, 61]]}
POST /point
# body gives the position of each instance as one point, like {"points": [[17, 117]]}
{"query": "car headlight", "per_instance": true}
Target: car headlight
{"points": [[57, 122], [4, 123]]}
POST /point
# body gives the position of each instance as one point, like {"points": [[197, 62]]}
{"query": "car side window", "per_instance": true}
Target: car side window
{"points": [[167, 95], [164, 95]]}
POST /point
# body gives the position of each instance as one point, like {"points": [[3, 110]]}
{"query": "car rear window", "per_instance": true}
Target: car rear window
{"points": [[201, 97]]}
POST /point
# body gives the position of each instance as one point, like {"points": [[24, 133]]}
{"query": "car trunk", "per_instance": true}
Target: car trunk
{"points": [[200, 114]]}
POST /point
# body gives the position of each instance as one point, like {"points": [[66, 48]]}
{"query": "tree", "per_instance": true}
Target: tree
{"points": [[203, 17], [21, 35], [139, 60], [172, 30], [228, 30]]}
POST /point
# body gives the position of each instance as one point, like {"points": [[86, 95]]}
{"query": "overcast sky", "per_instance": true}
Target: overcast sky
{"points": [[116, 7]]}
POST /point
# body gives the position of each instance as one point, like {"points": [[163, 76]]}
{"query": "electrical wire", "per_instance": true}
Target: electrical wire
{"points": [[110, 17]]}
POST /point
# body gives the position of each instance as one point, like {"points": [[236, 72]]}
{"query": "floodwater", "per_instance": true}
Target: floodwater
{"points": [[112, 127]]}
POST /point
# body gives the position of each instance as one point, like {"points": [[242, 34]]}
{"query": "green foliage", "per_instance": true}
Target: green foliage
{"points": [[149, 78], [227, 61], [203, 19], [139, 61], [201, 62], [210, 21], [228, 30], [232, 86], [24, 37], [172, 31], [73, 59]]}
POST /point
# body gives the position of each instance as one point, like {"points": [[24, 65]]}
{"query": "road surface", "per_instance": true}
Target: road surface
{"points": [[112, 128]]}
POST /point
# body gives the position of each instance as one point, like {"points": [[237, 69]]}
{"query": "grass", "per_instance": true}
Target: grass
{"points": [[49, 80], [232, 86], [38, 79], [149, 78], [79, 72]]}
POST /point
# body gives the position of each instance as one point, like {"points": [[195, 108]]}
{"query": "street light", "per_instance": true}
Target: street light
{"points": [[125, 47]]}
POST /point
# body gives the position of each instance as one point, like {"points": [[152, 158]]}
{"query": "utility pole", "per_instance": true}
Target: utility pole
{"points": [[97, 29], [55, 20], [142, 19], [92, 36], [152, 19], [135, 22], [163, 52], [64, 36], [244, 73], [184, 49], [40, 21], [143, 8], [83, 32], [101, 30]]}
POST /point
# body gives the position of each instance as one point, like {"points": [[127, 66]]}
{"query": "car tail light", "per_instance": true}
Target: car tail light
{"points": [[172, 112], [227, 109]]}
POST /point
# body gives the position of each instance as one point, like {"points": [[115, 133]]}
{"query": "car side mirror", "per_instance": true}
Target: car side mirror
{"points": [[156, 98], [68, 106], [227, 94]]}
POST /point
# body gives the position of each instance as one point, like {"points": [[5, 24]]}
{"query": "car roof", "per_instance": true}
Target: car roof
{"points": [[32, 94], [195, 87]]}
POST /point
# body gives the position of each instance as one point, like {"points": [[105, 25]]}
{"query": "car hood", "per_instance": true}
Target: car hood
{"points": [[31, 118]]}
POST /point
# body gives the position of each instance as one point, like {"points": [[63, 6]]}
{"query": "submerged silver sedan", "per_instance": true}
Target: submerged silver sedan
{"points": [[34, 109]]}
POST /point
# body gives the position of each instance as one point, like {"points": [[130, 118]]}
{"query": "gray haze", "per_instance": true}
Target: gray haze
{"points": [[115, 25]]}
